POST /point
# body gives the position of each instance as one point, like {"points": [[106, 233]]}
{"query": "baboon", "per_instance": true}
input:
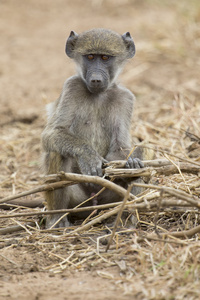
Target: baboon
{"points": [[90, 122]]}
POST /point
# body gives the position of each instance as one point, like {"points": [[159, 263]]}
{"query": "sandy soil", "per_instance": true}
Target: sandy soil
{"points": [[164, 76]]}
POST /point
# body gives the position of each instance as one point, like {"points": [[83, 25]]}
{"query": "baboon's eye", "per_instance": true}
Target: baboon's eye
{"points": [[104, 57], [90, 56]]}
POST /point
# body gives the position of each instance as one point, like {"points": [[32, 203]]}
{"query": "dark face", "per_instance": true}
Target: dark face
{"points": [[98, 72]]}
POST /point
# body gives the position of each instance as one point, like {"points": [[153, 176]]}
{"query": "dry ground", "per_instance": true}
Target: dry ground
{"points": [[164, 75]]}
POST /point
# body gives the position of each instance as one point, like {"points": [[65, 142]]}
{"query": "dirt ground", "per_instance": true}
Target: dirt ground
{"points": [[164, 76]]}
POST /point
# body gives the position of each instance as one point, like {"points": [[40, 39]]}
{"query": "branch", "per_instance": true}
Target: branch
{"points": [[141, 207], [15, 228], [116, 169], [70, 179], [119, 216], [147, 163], [42, 188], [115, 173], [95, 221], [194, 201], [184, 167], [178, 234], [32, 203], [152, 163]]}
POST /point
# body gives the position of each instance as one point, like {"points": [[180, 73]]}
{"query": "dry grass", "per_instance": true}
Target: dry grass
{"points": [[149, 261], [150, 265]]}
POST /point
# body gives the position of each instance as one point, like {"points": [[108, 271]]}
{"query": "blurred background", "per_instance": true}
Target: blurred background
{"points": [[164, 74]]}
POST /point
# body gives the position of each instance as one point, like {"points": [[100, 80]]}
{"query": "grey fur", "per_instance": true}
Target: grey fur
{"points": [[86, 128]]}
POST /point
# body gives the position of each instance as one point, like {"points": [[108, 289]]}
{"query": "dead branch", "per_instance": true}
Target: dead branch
{"points": [[42, 188], [115, 173], [173, 155], [33, 203], [15, 228], [119, 216], [70, 179], [184, 167], [66, 179], [193, 200], [182, 195], [117, 164], [185, 233], [178, 234], [100, 181], [165, 169], [151, 163], [68, 210], [95, 221], [141, 207]]}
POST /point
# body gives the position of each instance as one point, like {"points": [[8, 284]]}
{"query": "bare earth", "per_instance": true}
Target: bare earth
{"points": [[164, 76]]}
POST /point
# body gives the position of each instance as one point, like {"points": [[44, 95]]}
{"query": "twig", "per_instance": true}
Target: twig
{"points": [[185, 233], [75, 178], [173, 155], [23, 226], [128, 172], [23, 203], [164, 170], [194, 201], [179, 170], [42, 188], [151, 238], [119, 216], [145, 206], [16, 228], [178, 234], [10, 260], [71, 179], [95, 221], [147, 163], [152, 163], [171, 169], [69, 210], [171, 191]]}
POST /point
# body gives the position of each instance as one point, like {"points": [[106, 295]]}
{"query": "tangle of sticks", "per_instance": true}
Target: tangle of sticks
{"points": [[148, 201]]}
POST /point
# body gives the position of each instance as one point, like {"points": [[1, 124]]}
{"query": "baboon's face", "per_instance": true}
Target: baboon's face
{"points": [[100, 55], [97, 72]]}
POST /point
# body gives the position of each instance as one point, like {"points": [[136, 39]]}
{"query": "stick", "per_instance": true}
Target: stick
{"points": [[147, 163], [95, 221], [70, 179], [164, 170], [178, 234], [115, 173], [194, 201], [171, 169], [150, 163], [119, 216], [190, 199], [12, 229], [145, 206], [23, 203], [42, 188], [83, 178]]}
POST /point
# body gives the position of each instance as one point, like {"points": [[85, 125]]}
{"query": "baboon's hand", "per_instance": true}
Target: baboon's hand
{"points": [[91, 165], [134, 163]]}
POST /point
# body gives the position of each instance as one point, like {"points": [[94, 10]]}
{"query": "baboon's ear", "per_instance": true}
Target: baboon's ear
{"points": [[71, 43], [129, 43]]}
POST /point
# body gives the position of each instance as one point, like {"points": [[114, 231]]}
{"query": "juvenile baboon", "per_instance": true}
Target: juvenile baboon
{"points": [[90, 122]]}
